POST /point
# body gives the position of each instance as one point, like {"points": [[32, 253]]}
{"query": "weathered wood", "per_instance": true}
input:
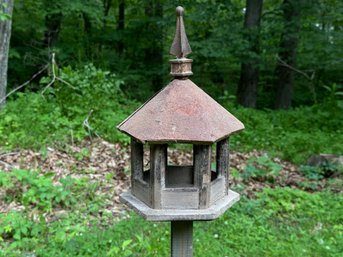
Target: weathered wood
{"points": [[142, 191], [136, 160], [211, 213], [157, 173], [202, 173], [218, 190], [180, 198], [182, 238], [222, 160], [179, 176]]}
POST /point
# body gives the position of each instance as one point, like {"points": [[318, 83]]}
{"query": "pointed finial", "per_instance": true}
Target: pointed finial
{"points": [[180, 47]]}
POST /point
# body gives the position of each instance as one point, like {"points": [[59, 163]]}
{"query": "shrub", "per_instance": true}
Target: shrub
{"points": [[279, 222], [261, 168], [293, 135], [16, 225], [90, 104], [31, 189], [325, 170]]}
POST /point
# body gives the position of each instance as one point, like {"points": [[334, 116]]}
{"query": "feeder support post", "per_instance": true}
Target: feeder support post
{"points": [[181, 238]]}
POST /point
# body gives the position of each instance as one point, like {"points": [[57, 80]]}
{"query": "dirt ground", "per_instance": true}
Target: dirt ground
{"points": [[109, 165]]}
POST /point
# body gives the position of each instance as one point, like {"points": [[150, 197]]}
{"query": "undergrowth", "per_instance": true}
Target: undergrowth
{"points": [[292, 135], [92, 104], [279, 222]]}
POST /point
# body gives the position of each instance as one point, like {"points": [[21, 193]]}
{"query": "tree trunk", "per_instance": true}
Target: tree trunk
{"points": [[107, 7], [154, 54], [247, 88], [53, 26], [121, 25], [5, 35], [287, 54], [87, 25]]}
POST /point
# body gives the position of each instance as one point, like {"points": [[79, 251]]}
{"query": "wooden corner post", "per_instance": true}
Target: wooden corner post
{"points": [[222, 161], [136, 160], [158, 156], [202, 173]]}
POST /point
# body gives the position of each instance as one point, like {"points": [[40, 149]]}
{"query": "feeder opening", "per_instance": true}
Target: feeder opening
{"points": [[180, 171]]}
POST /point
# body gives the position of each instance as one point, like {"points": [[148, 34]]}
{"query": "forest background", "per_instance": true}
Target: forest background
{"points": [[76, 69], [132, 40]]}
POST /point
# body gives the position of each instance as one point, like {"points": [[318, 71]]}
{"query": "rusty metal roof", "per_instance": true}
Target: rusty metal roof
{"points": [[181, 112]]}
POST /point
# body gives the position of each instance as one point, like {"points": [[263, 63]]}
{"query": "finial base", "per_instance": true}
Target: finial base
{"points": [[181, 68]]}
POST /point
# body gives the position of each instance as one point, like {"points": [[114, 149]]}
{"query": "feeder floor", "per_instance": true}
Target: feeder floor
{"points": [[211, 213]]}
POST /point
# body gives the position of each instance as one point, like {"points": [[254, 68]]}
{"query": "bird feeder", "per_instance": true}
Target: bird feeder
{"points": [[180, 113]]}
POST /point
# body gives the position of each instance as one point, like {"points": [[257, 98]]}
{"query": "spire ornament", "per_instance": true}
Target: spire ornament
{"points": [[180, 47], [181, 67]]}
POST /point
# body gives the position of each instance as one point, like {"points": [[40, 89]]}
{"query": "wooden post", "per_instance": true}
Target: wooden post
{"points": [[222, 160], [182, 238], [202, 173], [157, 173], [136, 160]]}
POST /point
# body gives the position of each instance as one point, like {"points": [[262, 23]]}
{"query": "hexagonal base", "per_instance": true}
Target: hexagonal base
{"points": [[211, 213]]}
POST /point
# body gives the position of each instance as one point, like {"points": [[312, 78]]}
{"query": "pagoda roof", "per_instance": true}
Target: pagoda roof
{"points": [[181, 113]]}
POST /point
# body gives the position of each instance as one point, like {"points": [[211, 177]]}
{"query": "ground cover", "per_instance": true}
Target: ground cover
{"points": [[65, 203], [63, 165]]}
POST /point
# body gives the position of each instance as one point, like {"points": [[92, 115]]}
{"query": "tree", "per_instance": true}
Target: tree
{"points": [[121, 25], [247, 88], [154, 53], [53, 26], [107, 7], [287, 53], [6, 10]]}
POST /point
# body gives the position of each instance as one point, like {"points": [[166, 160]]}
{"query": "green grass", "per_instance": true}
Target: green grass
{"points": [[281, 222], [293, 135]]}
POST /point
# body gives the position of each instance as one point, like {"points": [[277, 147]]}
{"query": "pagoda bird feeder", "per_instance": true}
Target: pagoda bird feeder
{"points": [[180, 113]]}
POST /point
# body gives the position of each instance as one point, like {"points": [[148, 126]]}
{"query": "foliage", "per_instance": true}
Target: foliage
{"points": [[87, 33], [30, 189], [97, 96], [15, 225], [87, 102], [3, 15], [42, 196], [290, 218], [91, 104], [261, 168], [334, 96], [325, 170], [297, 224], [32, 121], [293, 135]]}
